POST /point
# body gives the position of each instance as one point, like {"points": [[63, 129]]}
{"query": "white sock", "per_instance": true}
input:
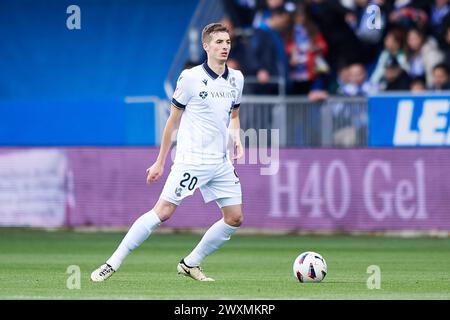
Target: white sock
{"points": [[214, 238], [138, 233]]}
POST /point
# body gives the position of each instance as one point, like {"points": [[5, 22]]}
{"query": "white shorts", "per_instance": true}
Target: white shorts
{"points": [[218, 182]]}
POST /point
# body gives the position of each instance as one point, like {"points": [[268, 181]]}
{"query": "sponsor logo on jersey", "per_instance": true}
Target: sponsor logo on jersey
{"points": [[223, 94]]}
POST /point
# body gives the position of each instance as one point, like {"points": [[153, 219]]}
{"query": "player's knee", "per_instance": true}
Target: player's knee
{"points": [[239, 220], [234, 220], [164, 210], [164, 213]]}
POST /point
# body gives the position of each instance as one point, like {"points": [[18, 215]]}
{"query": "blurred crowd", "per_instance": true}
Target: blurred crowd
{"points": [[340, 47]]}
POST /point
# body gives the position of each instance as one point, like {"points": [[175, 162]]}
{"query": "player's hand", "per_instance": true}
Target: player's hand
{"points": [[154, 172], [238, 150]]}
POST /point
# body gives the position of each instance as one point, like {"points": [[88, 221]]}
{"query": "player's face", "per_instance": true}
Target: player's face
{"points": [[219, 46]]}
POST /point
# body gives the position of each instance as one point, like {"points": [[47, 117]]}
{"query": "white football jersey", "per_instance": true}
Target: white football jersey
{"points": [[207, 100]]}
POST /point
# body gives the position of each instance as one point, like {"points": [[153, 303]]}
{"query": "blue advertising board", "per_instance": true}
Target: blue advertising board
{"points": [[409, 120], [81, 123]]}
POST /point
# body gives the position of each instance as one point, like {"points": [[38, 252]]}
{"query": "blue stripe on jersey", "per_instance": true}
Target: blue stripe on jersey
{"points": [[177, 104], [236, 106]]}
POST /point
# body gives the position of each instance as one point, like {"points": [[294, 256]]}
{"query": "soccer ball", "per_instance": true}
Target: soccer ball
{"points": [[310, 267]]}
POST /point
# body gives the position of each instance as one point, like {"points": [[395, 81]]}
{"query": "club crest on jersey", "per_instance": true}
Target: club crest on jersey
{"points": [[233, 81], [203, 94]]}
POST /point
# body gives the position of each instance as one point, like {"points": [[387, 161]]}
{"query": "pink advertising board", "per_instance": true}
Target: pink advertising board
{"points": [[308, 190]]}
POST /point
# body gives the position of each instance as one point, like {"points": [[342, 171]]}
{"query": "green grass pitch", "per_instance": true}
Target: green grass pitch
{"points": [[33, 265]]}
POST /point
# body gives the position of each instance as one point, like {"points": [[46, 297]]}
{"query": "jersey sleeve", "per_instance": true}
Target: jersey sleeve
{"points": [[240, 86], [183, 91]]}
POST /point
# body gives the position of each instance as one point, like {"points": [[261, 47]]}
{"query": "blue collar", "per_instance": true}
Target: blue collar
{"points": [[212, 74]]}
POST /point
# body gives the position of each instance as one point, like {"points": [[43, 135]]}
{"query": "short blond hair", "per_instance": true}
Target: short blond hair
{"points": [[211, 28]]}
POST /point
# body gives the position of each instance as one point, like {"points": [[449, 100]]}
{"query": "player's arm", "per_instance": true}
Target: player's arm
{"points": [[235, 124], [235, 130], [172, 124]]}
